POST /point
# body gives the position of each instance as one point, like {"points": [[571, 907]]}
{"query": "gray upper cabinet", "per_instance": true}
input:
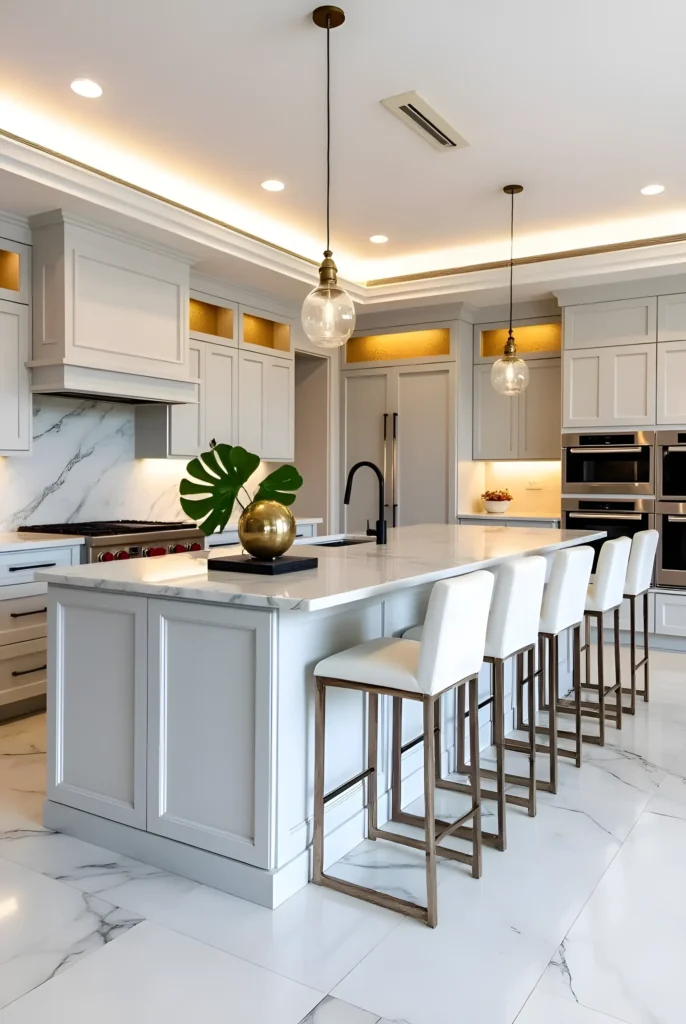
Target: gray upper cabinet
{"points": [[610, 387], [619, 322], [671, 317], [523, 427]]}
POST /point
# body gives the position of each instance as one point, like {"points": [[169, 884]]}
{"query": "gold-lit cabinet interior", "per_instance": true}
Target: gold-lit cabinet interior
{"points": [[422, 344], [213, 319], [265, 333], [526, 426], [15, 271]]}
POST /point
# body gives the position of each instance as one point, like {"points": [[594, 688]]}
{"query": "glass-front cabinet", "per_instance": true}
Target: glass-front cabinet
{"points": [[15, 271], [394, 346]]}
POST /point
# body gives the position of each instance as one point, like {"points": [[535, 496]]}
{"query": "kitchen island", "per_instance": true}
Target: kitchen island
{"points": [[180, 701]]}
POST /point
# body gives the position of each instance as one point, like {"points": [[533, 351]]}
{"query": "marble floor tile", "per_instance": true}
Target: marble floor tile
{"points": [[670, 797], [315, 937], [544, 1009], [91, 924], [127, 883], [334, 1011], [151, 975], [625, 954]]}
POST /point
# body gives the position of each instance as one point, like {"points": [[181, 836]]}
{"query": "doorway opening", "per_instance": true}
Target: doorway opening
{"points": [[312, 448]]}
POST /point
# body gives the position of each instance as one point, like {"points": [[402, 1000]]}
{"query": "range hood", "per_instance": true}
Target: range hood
{"points": [[110, 315]]}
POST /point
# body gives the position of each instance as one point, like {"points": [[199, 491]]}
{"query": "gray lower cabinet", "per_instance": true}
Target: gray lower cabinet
{"points": [[209, 773], [162, 712], [97, 703]]}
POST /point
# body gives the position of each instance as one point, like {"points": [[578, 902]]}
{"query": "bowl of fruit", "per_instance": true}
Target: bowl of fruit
{"points": [[496, 501]]}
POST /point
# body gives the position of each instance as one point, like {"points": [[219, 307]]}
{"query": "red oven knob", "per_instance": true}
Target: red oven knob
{"points": [[176, 549], [122, 555], [106, 556], [154, 552], [195, 547]]}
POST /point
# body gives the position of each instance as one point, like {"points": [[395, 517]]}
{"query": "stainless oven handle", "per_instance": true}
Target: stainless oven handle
{"points": [[621, 448], [605, 515], [676, 519], [676, 448]]}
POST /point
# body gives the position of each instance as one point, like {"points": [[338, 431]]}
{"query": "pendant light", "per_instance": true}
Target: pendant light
{"points": [[510, 374], [328, 313]]}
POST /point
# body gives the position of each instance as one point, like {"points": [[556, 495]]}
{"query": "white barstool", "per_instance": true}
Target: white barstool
{"points": [[605, 594], [639, 576], [450, 653], [512, 631], [563, 608]]}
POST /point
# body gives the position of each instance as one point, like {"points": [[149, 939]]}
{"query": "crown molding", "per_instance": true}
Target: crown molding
{"points": [[546, 272]]}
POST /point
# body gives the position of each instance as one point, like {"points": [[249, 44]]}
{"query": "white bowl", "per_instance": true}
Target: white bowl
{"points": [[496, 506]]}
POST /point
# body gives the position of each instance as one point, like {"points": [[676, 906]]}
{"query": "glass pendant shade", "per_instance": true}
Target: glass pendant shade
{"points": [[328, 315], [509, 375]]}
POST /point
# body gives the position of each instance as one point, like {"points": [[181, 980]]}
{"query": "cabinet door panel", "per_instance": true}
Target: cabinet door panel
{"points": [[671, 382], [539, 412], [97, 703], [209, 781], [251, 414], [15, 397], [621, 322], [424, 477], [186, 434], [279, 394], [220, 395], [365, 401], [671, 318], [582, 377], [628, 389], [495, 419]]}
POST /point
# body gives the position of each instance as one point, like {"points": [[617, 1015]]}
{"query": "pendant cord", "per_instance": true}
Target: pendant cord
{"points": [[328, 133], [511, 255]]}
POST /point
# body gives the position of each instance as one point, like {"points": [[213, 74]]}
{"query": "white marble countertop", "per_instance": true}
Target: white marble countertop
{"points": [[413, 556], [29, 541], [493, 517]]}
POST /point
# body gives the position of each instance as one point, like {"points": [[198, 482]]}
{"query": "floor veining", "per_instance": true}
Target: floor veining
{"points": [[581, 921]]}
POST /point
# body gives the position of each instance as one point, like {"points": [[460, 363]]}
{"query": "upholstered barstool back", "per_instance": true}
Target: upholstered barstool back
{"points": [[516, 606], [607, 589], [639, 573], [565, 596], [454, 634]]}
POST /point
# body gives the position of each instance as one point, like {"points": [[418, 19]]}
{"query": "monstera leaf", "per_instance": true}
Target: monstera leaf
{"points": [[216, 478], [279, 485]]}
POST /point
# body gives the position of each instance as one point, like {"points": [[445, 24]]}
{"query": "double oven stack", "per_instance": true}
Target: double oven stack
{"points": [[624, 483]]}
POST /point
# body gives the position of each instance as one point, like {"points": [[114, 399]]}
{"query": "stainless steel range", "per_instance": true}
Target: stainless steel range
{"points": [[122, 539]]}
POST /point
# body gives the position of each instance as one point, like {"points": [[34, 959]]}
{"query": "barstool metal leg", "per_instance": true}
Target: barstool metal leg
{"points": [[601, 680], [553, 687], [518, 692], [396, 773], [618, 672], [430, 812], [477, 861], [460, 724], [646, 650], [372, 758], [499, 740], [319, 735], [632, 648], [576, 680], [531, 710], [587, 619]]}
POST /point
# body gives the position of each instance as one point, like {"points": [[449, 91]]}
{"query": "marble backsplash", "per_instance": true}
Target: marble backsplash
{"points": [[83, 467]]}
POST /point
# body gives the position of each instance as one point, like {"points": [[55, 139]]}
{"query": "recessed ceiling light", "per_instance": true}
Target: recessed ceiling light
{"points": [[378, 239], [272, 185], [652, 190], [86, 87]]}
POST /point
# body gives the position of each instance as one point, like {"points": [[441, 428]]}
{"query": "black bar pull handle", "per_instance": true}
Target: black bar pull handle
{"points": [[28, 671], [25, 568], [21, 615]]}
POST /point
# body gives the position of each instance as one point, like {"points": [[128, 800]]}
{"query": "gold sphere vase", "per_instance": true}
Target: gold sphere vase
{"points": [[266, 529]]}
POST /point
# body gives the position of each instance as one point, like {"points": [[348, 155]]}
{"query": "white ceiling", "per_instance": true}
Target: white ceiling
{"points": [[580, 102]]}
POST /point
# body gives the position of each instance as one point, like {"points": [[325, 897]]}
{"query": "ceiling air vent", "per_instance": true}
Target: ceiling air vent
{"points": [[423, 119]]}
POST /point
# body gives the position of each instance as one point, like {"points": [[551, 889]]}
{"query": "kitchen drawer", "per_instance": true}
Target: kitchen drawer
{"points": [[670, 614], [22, 670], [23, 618], [20, 566], [625, 618]]}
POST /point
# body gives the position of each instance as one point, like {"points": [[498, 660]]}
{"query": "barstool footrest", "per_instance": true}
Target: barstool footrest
{"points": [[405, 818], [381, 899]]}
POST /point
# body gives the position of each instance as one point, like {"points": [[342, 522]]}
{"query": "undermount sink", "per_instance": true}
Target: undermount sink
{"points": [[346, 542]]}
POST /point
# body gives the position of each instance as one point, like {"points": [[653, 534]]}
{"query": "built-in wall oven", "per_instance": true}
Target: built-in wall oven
{"points": [[619, 517], [670, 457], [608, 463], [670, 568]]}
